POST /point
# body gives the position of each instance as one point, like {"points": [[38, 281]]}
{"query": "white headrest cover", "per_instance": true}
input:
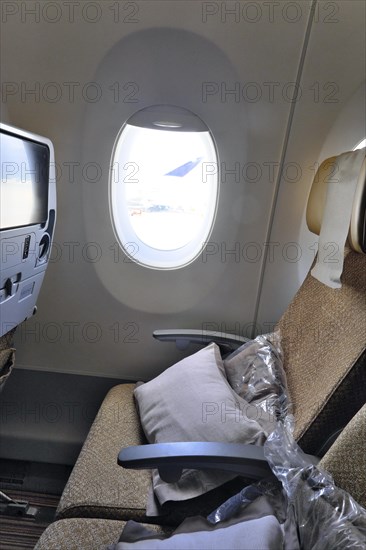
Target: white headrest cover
{"points": [[329, 172]]}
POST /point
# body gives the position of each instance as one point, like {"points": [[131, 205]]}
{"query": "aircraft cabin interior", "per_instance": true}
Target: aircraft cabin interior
{"points": [[183, 275]]}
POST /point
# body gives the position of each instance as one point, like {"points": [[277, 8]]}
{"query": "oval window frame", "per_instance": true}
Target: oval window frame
{"points": [[172, 118]]}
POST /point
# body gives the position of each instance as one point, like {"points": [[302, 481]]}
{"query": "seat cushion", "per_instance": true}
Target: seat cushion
{"points": [[80, 534], [98, 487], [84, 534]]}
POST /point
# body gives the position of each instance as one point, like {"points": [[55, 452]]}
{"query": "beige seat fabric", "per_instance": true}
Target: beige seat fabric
{"points": [[98, 487], [84, 534], [324, 338], [346, 460]]}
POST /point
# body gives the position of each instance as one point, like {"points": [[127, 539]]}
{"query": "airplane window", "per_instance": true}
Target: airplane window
{"points": [[163, 187], [361, 145]]}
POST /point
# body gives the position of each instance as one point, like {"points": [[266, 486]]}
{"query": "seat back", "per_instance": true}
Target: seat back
{"points": [[324, 329]]}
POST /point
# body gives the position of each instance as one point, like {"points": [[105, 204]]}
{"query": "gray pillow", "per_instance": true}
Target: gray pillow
{"points": [[192, 401]]}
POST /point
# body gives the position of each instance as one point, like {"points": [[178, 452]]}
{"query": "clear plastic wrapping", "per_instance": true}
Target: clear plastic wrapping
{"points": [[309, 504], [255, 372], [327, 517], [237, 503]]}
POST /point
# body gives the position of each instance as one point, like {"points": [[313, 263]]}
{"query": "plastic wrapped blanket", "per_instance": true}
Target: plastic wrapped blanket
{"points": [[327, 517], [324, 516], [255, 372]]}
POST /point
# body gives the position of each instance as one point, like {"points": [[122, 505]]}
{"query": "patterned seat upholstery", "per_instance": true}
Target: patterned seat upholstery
{"points": [[324, 340], [84, 534], [346, 459], [98, 487], [80, 534]]}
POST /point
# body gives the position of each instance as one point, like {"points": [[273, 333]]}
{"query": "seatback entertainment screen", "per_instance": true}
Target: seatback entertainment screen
{"points": [[24, 181]]}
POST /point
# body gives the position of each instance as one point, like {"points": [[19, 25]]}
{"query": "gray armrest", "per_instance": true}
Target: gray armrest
{"points": [[183, 337], [172, 458]]}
